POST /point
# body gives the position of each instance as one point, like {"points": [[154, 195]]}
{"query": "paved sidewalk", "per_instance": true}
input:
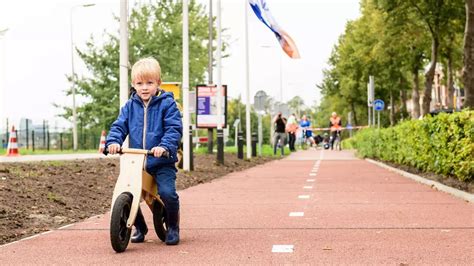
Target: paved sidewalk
{"points": [[51, 157], [314, 207]]}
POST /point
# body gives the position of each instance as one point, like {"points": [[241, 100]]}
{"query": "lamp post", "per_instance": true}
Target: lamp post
{"points": [[73, 79], [220, 132], [2, 74], [186, 122]]}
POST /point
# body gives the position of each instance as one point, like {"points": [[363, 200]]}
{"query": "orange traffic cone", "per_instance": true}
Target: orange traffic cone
{"points": [[102, 142], [12, 148]]}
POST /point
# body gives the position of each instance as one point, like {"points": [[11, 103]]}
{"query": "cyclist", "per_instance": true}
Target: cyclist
{"points": [[305, 125], [335, 127]]}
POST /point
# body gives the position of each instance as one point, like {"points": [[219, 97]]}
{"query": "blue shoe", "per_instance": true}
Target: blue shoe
{"points": [[139, 235], [140, 228], [172, 238]]}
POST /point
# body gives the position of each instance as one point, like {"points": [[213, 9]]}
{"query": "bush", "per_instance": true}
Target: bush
{"points": [[348, 144], [442, 144]]}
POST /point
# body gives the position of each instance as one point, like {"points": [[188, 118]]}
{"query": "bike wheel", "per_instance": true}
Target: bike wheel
{"points": [[119, 233], [159, 220], [339, 147]]}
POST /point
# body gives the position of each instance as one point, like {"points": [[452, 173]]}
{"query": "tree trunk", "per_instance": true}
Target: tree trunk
{"points": [[415, 95], [468, 71], [429, 76], [450, 86], [354, 114], [403, 104], [392, 109]]}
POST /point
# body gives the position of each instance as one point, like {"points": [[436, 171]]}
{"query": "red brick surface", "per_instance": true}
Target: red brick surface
{"points": [[357, 213]]}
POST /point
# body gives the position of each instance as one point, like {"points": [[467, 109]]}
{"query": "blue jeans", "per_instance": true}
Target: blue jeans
{"points": [[165, 177]]}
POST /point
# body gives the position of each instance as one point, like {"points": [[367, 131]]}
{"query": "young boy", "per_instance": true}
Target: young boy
{"points": [[152, 121]]}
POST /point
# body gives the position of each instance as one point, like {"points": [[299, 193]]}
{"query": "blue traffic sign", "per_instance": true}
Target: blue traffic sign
{"points": [[379, 105]]}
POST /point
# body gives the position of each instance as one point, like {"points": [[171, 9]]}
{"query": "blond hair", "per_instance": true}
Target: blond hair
{"points": [[146, 68]]}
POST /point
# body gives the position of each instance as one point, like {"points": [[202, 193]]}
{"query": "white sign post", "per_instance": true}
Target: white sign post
{"points": [[372, 96], [369, 104], [378, 106]]}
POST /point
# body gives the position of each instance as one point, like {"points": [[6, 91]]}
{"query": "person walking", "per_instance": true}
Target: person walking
{"points": [[280, 133], [291, 128]]}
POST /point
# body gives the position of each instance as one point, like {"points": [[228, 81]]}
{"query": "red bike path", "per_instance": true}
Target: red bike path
{"points": [[313, 207]]}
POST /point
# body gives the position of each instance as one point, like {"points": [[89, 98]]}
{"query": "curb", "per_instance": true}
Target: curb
{"points": [[453, 191]]}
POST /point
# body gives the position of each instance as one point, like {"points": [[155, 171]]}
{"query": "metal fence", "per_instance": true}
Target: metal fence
{"points": [[42, 137]]}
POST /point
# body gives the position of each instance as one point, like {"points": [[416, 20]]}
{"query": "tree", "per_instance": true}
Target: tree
{"points": [[435, 15], [296, 103], [155, 30], [451, 55], [468, 71], [235, 109], [392, 40], [366, 48], [413, 42]]}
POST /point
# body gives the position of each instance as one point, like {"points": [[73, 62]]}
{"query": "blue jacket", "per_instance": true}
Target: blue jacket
{"points": [[162, 127], [305, 125]]}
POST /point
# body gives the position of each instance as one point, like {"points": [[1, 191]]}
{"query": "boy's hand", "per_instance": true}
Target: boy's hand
{"points": [[158, 151], [113, 148]]}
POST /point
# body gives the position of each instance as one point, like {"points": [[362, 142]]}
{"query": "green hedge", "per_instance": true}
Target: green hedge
{"points": [[442, 144]]}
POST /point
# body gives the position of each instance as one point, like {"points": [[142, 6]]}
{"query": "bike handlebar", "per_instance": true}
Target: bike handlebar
{"points": [[165, 154]]}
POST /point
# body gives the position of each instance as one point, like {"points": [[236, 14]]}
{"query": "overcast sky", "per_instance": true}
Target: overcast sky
{"points": [[35, 53]]}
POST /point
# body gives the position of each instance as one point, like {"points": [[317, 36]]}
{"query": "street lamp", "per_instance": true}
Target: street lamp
{"points": [[73, 79], [2, 75]]}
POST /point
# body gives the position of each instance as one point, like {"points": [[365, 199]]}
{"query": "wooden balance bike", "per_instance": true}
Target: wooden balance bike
{"points": [[134, 184]]}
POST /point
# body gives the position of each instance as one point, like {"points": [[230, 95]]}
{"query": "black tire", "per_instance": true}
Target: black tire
{"points": [[159, 220], [119, 233], [338, 146]]}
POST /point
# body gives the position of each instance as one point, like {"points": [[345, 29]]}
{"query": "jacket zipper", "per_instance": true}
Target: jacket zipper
{"points": [[145, 107]]}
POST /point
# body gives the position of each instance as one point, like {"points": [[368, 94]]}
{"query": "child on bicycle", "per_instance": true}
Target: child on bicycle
{"points": [[305, 125], [152, 121]]}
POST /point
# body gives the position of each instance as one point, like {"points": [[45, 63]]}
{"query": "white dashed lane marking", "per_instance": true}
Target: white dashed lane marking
{"points": [[303, 197], [283, 248], [296, 214], [308, 187]]}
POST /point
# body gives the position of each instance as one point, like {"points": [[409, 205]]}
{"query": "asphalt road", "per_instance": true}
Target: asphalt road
{"points": [[50, 157]]}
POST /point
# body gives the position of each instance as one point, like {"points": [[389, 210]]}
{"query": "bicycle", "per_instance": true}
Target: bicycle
{"points": [[337, 141], [133, 184]]}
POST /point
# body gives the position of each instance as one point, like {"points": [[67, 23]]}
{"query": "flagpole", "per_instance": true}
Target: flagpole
{"points": [[247, 84]]}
